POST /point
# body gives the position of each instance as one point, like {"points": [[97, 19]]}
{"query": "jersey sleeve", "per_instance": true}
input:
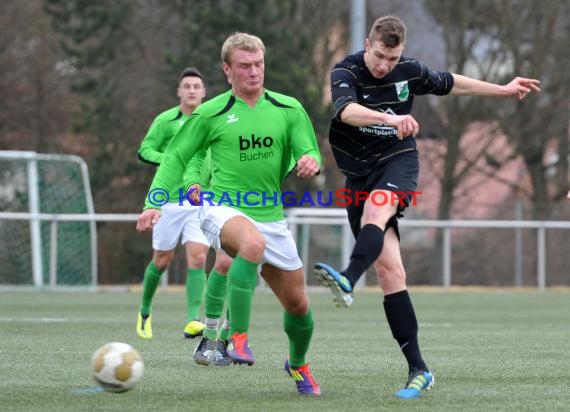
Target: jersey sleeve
{"points": [[150, 148], [199, 170], [206, 172], [343, 89], [186, 143], [303, 138], [192, 173], [432, 82]]}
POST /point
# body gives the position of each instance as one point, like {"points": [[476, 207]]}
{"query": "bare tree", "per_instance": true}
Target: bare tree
{"points": [[535, 40], [34, 105], [496, 40]]}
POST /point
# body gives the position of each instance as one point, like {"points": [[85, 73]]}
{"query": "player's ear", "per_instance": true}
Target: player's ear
{"points": [[226, 69]]}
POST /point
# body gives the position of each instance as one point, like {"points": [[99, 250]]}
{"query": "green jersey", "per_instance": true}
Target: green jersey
{"points": [[159, 135], [164, 127], [252, 150]]}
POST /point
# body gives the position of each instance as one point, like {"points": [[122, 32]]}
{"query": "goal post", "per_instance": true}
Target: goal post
{"points": [[36, 249]]}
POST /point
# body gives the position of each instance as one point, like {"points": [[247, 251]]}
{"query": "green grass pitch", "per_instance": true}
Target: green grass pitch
{"points": [[490, 351]]}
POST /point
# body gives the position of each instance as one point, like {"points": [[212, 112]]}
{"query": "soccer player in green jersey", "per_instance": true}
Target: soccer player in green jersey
{"points": [[177, 222], [253, 134]]}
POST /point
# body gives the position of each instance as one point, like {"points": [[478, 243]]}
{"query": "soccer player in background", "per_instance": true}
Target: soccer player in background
{"points": [[179, 222], [372, 137], [254, 134]]}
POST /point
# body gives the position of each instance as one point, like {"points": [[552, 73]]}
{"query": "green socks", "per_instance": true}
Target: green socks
{"points": [[195, 284], [150, 284], [225, 331], [299, 329], [215, 294], [215, 298], [241, 286], [240, 289]]}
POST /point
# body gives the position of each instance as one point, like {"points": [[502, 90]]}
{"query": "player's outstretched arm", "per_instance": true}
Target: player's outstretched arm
{"points": [[147, 219], [519, 87]]}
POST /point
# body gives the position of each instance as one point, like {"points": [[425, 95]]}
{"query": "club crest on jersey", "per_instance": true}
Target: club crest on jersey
{"points": [[402, 90]]}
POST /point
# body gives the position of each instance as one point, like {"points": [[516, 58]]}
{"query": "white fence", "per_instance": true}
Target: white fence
{"points": [[301, 220]]}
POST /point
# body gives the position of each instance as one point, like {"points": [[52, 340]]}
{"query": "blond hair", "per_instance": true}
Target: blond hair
{"points": [[242, 41]]}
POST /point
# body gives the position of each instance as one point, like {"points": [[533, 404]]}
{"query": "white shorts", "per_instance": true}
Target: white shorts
{"points": [[280, 248], [177, 222]]}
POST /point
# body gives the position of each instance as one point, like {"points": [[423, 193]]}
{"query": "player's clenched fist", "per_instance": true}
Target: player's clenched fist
{"points": [[406, 125], [147, 219], [307, 166]]}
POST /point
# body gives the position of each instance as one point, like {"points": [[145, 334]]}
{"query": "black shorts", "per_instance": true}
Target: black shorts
{"points": [[398, 174]]}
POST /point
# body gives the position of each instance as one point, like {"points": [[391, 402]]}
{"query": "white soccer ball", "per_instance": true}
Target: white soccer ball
{"points": [[117, 367]]}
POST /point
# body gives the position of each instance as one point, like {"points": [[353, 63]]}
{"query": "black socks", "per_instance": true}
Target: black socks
{"points": [[404, 325], [368, 247]]}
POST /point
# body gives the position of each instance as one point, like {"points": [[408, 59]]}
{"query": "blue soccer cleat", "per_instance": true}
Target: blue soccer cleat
{"points": [[338, 284], [306, 384], [417, 382]]}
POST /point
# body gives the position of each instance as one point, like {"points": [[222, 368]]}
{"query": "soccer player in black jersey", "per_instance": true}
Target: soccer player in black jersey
{"points": [[372, 137]]}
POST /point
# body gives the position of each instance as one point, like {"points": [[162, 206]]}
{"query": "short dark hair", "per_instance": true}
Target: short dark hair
{"points": [[390, 30], [190, 72]]}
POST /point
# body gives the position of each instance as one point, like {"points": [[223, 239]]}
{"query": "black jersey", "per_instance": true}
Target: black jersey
{"points": [[358, 148]]}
